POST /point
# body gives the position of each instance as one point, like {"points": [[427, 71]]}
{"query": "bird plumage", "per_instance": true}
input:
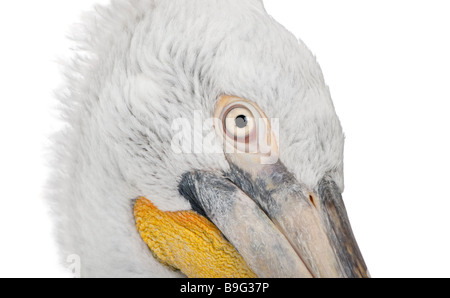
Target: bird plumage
{"points": [[142, 64]]}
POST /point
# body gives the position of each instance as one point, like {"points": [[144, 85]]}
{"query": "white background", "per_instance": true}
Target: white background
{"points": [[388, 67]]}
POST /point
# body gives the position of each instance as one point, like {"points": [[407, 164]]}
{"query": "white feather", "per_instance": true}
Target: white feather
{"points": [[140, 65]]}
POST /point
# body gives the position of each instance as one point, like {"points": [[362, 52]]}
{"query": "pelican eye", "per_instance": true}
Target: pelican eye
{"points": [[239, 123], [243, 127]]}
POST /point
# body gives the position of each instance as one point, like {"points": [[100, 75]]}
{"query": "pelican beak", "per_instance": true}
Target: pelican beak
{"points": [[281, 228]]}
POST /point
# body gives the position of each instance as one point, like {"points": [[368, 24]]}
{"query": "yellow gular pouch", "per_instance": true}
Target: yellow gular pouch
{"points": [[188, 242]]}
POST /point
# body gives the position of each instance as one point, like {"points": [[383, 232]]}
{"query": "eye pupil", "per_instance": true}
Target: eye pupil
{"points": [[241, 121]]}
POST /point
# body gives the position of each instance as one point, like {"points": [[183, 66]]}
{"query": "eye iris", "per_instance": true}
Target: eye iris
{"points": [[241, 121]]}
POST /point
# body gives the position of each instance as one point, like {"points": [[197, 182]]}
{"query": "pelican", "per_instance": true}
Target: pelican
{"points": [[201, 141]]}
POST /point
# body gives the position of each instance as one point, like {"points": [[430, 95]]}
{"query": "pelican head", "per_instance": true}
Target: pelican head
{"points": [[201, 141]]}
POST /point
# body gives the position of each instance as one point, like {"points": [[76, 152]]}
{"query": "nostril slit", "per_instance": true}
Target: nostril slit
{"points": [[311, 198]]}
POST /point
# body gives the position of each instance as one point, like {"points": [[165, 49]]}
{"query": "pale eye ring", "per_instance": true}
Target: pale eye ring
{"points": [[239, 123]]}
